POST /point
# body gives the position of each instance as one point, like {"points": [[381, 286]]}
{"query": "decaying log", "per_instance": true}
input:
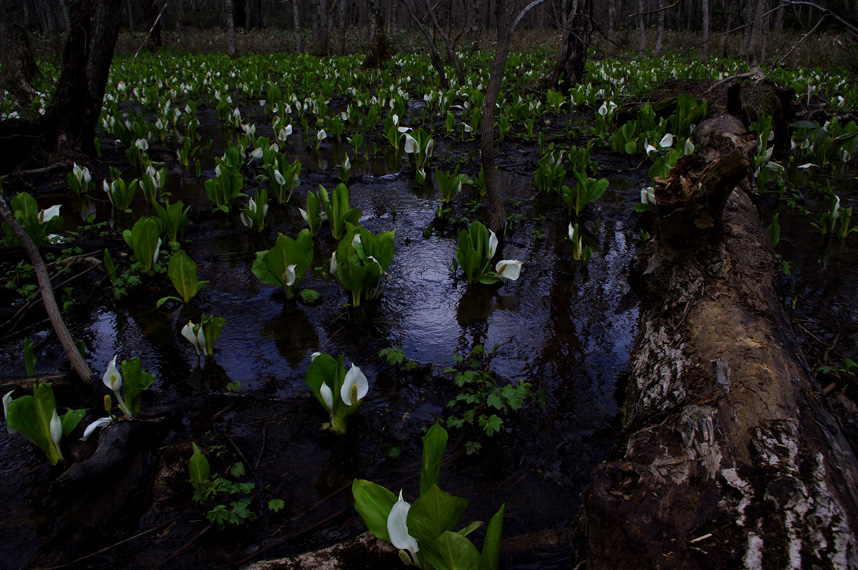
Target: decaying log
{"points": [[725, 458]]}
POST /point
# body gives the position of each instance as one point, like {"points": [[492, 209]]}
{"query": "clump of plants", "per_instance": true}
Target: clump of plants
{"points": [[482, 401]]}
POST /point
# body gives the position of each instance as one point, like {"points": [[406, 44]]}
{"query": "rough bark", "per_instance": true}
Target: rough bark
{"points": [[86, 65], [229, 13], [572, 58], [704, 43], [151, 10], [296, 21], [321, 29], [379, 51], [18, 67], [434, 56], [725, 459]]}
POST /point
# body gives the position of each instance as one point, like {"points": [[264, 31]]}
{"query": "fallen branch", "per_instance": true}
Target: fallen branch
{"points": [[78, 363]]}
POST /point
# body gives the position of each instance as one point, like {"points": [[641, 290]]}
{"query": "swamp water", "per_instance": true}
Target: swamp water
{"points": [[565, 328]]}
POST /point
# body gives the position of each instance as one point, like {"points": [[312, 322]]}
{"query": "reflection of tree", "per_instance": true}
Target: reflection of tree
{"points": [[293, 334]]}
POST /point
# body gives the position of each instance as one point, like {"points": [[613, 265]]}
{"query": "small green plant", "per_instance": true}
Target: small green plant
{"points": [[450, 184], [36, 418], [340, 393], [420, 148], [182, 271], [396, 357], [345, 169], [285, 264], [360, 262], [424, 531], [586, 191], [132, 384], [284, 178], [580, 252], [144, 240], [119, 193], [313, 214], [38, 224], [226, 187], [208, 488], [550, 173], [846, 369], [481, 401], [477, 246], [337, 209], [29, 358], [204, 334], [79, 179], [254, 213], [174, 218]]}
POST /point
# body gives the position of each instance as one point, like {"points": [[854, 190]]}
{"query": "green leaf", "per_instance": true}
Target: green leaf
{"points": [[434, 443], [492, 542], [432, 514], [134, 381], [182, 271], [29, 358], [198, 468], [275, 505], [70, 420], [373, 503], [457, 552]]}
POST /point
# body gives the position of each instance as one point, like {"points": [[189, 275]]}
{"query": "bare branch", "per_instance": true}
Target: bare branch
{"points": [[852, 28], [662, 9], [523, 13]]}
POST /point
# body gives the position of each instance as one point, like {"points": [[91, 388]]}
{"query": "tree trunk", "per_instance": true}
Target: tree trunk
{"points": [[296, 20], [321, 29], [704, 45], [229, 13], [659, 36], [641, 28], [151, 9], [434, 56], [86, 65], [756, 30], [18, 67], [726, 459], [341, 22], [378, 51], [569, 69], [449, 44]]}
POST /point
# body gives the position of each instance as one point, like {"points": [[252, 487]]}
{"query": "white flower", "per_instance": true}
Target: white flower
{"points": [[289, 275], [493, 244], [355, 386], [46, 216], [397, 528], [197, 339], [7, 399], [334, 263], [321, 135], [689, 146], [509, 269], [666, 141], [649, 148], [56, 427], [100, 422], [112, 378], [647, 196]]}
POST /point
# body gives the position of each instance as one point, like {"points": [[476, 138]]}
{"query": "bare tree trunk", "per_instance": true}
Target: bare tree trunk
{"points": [[378, 51], [641, 28], [660, 33], [229, 9], [86, 65], [569, 69], [434, 56], [341, 19], [507, 22], [296, 20], [612, 21], [704, 45], [450, 45], [726, 458], [180, 13], [756, 30], [722, 48], [321, 29], [18, 67], [151, 10], [747, 31]]}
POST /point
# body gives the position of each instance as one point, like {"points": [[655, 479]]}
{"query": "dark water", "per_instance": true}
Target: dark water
{"points": [[565, 328]]}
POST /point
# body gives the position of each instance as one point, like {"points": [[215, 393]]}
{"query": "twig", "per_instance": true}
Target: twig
{"points": [[261, 449], [240, 454], [829, 349], [150, 31], [36, 171], [662, 9], [106, 548], [185, 547]]}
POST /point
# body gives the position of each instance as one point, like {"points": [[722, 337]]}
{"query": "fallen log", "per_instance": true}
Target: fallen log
{"points": [[725, 458]]}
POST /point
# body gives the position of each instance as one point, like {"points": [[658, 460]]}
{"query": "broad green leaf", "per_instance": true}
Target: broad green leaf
{"points": [[182, 271], [434, 443], [457, 552], [198, 467], [373, 503], [70, 419], [134, 381], [432, 514], [492, 542]]}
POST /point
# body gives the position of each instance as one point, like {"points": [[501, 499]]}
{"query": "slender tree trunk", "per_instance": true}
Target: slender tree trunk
{"points": [[747, 31], [612, 21], [229, 9], [296, 20], [756, 30], [341, 19], [450, 45], [641, 28], [704, 45], [151, 9], [378, 51], [434, 56], [180, 13], [660, 33], [86, 65], [722, 48]]}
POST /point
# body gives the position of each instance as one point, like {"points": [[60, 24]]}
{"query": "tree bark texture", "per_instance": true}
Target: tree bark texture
{"points": [[296, 21], [321, 29], [569, 69], [18, 67], [725, 458], [379, 51], [86, 64], [229, 13]]}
